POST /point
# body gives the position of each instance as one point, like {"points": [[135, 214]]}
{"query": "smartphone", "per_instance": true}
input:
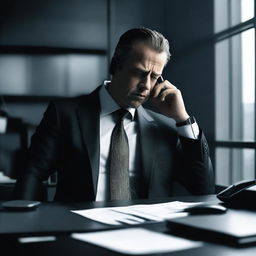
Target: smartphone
{"points": [[160, 80], [20, 204]]}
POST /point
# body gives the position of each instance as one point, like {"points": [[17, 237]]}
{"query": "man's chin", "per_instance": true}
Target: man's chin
{"points": [[136, 104]]}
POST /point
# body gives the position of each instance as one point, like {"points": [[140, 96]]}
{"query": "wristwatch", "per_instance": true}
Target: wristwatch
{"points": [[190, 120]]}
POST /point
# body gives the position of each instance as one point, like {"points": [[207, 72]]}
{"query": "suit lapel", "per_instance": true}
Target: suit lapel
{"points": [[148, 142], [89, 122]]}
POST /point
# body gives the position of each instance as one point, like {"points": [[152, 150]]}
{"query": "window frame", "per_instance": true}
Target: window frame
{"points": [[228, 33]]}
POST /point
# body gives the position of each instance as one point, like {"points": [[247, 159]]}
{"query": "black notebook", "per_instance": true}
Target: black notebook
{"points": [[237, 227]]}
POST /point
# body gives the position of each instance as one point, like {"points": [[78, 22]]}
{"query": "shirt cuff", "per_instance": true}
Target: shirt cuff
{"points": [[190, 131]]}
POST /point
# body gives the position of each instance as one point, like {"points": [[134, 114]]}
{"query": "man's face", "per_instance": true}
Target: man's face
{"points": [[132, 83]]}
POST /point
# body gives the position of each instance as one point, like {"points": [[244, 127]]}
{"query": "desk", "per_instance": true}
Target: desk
{"points": [[56, 219]]}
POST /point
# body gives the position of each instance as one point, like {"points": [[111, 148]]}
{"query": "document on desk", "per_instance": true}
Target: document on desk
{"points": [[136, 214], [136, 241]]}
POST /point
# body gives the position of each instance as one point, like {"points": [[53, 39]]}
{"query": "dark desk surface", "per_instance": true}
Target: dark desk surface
{"points": [[56, 219]]}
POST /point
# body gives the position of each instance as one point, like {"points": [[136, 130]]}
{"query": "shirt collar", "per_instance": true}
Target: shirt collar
{"points": [[108, 104]]}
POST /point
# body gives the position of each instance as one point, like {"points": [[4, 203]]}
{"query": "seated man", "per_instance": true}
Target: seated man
{"points": [[101, 155]]}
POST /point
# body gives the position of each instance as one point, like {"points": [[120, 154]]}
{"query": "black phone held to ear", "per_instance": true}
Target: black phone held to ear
{"points": [[160, 80]]}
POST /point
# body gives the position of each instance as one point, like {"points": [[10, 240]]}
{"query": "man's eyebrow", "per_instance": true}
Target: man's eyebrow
{"points": [[155, 74], [146, 71], [141, 70]]}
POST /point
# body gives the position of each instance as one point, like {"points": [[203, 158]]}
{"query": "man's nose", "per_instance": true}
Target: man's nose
{"points": [[145, 83]]}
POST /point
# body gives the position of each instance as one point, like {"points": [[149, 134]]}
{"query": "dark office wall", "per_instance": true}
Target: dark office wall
{"points": [[189, 26], [76, 23], [129, 14]]}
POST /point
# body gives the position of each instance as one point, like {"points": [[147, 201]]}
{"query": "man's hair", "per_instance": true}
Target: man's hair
{"points": [[151, 38]]}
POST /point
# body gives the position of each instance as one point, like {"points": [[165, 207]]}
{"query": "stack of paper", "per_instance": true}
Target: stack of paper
{"points": [[136, 214]]}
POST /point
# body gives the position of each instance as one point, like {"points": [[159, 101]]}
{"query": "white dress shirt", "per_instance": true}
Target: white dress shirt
{"points": [[107, 123]]}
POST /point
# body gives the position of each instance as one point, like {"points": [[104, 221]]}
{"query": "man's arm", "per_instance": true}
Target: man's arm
{"points": [[194, 169], [41, 158]]}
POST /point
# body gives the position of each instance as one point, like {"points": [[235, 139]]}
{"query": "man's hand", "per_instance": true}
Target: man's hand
{"points": [[168, 99]]}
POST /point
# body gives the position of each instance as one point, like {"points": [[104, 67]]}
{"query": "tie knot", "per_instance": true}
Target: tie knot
{"points": [[121, 113]]}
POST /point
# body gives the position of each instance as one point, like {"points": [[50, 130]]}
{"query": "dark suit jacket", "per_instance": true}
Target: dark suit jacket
{"points": [[67, 140]]}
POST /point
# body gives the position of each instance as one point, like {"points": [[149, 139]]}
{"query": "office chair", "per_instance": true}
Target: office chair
{"points": [[13, 148]]}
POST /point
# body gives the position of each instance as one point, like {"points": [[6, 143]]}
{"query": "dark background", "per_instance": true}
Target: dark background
{"points": [[41, 33]]}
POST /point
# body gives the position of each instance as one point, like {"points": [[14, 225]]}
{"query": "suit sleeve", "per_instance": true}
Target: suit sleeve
{"points": [[41, 159], [194, 170]]}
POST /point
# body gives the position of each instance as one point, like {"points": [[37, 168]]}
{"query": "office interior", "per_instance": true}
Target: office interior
{"points": [[57, 49]]}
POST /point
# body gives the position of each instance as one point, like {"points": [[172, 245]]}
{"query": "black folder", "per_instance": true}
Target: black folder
{"points": [[236, 227]]}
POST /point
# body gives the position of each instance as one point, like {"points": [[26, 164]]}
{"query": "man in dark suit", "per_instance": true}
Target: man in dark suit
{"points": [[168, 152]]}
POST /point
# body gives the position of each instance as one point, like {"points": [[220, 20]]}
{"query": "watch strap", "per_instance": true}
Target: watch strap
{"points": [[190, 121]]}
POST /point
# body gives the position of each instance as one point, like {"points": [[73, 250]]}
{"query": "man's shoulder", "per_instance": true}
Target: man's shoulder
{"points": [[76, 101]]}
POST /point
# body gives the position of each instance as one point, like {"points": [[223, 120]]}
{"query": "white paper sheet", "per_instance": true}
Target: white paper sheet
{"points": [[136, 241], [136, 214]]}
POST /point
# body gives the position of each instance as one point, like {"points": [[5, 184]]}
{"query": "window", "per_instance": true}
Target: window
{"points": [[234, 91]]}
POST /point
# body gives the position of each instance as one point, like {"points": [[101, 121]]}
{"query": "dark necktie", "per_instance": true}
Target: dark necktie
{"points": [[119, 161]]}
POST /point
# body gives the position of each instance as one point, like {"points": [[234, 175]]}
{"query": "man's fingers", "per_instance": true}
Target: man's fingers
{"points": [[159, 89], [162, 90], [166, 92]]}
